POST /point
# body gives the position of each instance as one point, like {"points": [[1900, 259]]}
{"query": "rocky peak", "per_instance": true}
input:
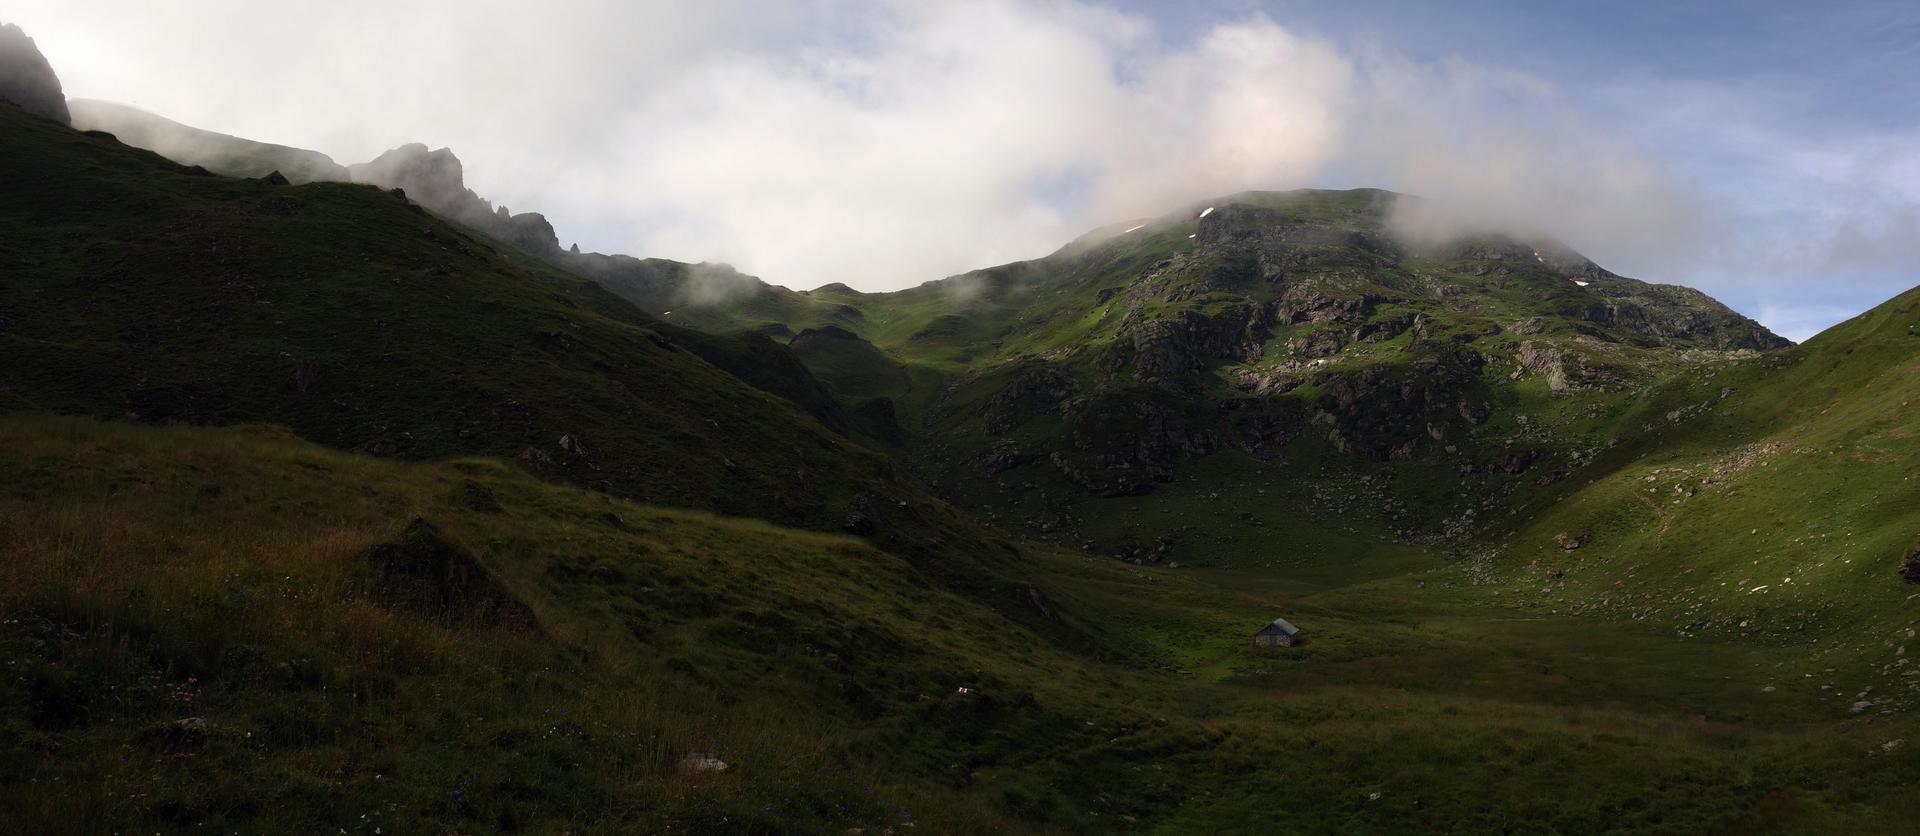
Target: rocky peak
{"points": [[436, 180], [26, 79]]}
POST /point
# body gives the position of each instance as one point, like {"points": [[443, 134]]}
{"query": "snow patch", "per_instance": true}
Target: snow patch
{"points": [[1190, 236], [1581, 283], [1206, 212], [1132, 228]]}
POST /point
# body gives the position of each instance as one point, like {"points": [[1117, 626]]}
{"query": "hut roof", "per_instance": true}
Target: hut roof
{"points": [[1281, 626]]}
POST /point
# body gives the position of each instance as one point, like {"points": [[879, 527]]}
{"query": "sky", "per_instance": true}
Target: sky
{"points": [[1768, 154]]}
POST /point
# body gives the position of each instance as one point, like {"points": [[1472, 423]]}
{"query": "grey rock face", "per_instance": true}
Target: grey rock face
{"points": [[435, 179], [27, 80]]}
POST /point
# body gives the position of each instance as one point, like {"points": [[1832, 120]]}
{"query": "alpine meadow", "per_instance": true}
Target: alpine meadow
{"points": [[1325, 477]]}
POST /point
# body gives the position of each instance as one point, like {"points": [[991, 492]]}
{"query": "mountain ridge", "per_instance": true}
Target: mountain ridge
{"points": [[1262, 325], [1282, 321], [490, 352]]}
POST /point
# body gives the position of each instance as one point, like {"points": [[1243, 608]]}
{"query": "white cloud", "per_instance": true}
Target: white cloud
{"points": [[876, 142], [1251, 105], [1501, 151]]}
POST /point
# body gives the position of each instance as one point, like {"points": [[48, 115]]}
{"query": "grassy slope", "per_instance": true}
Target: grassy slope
{"points": [[1772, 501], [155, 574], [219, 153], [351, 316], [159, 574]]}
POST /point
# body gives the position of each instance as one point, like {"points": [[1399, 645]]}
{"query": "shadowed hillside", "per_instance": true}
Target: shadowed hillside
{"points": [[139, 289]]}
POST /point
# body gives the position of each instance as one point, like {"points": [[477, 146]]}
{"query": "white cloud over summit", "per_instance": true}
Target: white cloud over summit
{"points": [[875, 143]]}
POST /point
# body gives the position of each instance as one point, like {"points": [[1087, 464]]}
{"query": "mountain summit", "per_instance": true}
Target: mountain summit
{"points": [[1261, 327], [436, 179], [26, 79]]}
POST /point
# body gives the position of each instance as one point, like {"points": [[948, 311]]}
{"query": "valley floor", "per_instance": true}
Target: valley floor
{"points": [[194, 637]]}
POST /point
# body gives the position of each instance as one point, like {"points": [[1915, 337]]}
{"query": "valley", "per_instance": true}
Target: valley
{"points": [[346, 501], [840, 691]]}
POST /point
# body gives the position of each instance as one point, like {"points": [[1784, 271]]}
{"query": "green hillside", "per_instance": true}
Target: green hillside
{"points": [[139, 289], [320, 513], [217, 152], [231, 628], [1281, 345], [1776, 501]]}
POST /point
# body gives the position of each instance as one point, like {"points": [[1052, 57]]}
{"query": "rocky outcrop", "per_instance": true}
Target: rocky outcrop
{"points": [[1170, 351], [1671, 312], [1314, 304], [1262, 427], [1003, 456], [1382, 412], [1544, 360], [426, 572], [1123, 443], [1322, 342], [1036, 389], [436, 180], [27, 80]]}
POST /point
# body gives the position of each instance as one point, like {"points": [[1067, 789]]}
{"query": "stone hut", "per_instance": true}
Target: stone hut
{"points": [[1279, 633]]}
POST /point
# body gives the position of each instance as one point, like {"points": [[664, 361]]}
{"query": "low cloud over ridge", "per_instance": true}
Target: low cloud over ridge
{"points": [[900, 142]]}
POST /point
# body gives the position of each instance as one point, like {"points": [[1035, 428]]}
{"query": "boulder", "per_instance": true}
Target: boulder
{"points": [[180, 738], [535, 461], [863, 517], [424, 571], [1545, 360], [702, 762]]}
